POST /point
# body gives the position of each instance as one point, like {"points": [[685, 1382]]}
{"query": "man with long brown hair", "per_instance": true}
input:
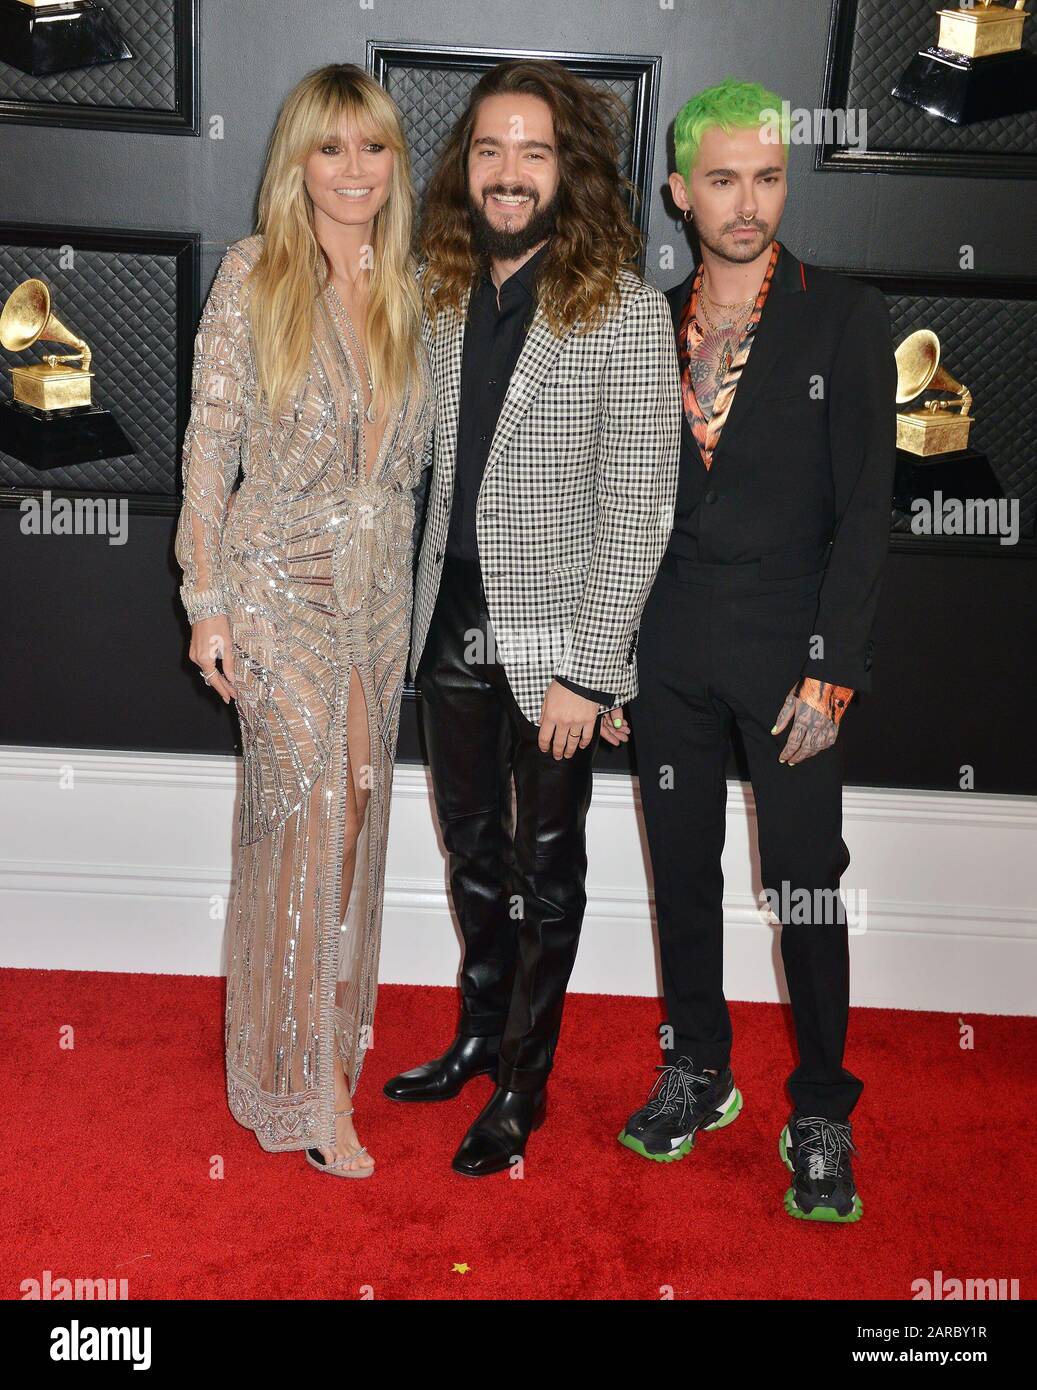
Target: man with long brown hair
{"points": [[549, 506]]}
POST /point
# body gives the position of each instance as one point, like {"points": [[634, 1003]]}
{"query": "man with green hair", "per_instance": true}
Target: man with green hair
{"points": [[760, 619]]}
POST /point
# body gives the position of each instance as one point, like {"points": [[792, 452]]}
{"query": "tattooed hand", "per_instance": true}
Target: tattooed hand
{"points": [[812, 730]]}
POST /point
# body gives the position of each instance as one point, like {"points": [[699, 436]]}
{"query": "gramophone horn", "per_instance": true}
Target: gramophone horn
{"points": [[918, 366], [27, 316]]}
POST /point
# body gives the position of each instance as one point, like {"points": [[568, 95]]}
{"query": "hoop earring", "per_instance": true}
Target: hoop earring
{"points": [[688, 214]]}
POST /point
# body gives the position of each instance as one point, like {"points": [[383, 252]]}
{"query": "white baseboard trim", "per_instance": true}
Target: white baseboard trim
{"points": [[123, 861]]}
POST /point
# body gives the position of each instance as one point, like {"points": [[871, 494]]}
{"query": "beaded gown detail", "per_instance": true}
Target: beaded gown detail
{"points": [[312, 561]]}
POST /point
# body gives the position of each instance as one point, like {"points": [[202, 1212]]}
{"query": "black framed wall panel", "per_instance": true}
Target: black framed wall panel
{"points": [[870, 44], [155, 89], [133, 296], [987, 327], [432, 83]]}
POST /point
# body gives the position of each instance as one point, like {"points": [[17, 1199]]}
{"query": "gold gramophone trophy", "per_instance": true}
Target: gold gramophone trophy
{"points": [[45, 36], [938, 427], [51, 421], [977, 69], [50, 384], [933, 451]]}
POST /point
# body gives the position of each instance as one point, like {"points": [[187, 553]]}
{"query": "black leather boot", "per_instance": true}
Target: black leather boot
{"points": [[500, 1131], [443, 1078]]}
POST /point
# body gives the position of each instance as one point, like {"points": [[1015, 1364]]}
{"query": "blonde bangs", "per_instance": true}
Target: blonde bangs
{"points": [[292, 269]]}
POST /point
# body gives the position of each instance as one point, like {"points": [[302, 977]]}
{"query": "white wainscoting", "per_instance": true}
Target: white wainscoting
{"points": [[122, 861]]}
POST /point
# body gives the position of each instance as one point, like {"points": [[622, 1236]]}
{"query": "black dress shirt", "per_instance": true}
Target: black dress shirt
{"points": [[495, 331]]}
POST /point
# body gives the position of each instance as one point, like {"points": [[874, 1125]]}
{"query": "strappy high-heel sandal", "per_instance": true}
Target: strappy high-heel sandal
{"points": [[338, 1168]]}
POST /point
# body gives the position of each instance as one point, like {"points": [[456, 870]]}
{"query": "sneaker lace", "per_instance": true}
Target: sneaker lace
{"points": [[673, 1089], [822, 1144]]}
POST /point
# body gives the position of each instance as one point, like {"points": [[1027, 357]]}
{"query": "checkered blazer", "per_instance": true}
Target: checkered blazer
{"points": [[576, 502]]}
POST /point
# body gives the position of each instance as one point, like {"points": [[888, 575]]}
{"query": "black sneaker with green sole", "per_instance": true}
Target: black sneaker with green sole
{"points": [[682, 1102], [817, 1151]]}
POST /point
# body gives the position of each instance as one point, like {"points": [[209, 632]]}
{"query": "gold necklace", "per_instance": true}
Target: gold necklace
{"points": [[735, 304], [729, 323]]}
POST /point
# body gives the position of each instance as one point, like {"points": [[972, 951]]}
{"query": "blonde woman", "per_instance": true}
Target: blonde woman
{"points": [[309, 372]]}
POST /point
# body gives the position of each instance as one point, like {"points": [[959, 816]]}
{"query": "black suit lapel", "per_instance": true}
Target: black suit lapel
{"points": [[678, 298]]}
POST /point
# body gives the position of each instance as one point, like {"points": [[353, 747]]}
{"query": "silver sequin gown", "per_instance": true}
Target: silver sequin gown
{"points": [[313, 566]]}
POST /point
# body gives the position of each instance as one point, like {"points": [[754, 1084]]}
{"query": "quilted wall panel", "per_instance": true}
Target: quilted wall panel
{"points": [[124, 305], [147, 80], [432, 98], [991, 346], [886, 38]]}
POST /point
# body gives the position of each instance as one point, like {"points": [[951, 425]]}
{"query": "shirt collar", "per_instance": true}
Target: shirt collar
{"points": [[525, 276]]}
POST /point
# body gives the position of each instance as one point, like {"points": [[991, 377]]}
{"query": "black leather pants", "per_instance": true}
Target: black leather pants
{"points": [[517, 877]]}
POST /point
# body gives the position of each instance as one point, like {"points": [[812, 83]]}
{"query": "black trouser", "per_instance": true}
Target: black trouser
{"points": [[719, 645], [517, 878]]}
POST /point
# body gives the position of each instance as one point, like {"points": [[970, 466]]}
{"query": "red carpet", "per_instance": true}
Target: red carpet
{"points": [[110, 1146]]}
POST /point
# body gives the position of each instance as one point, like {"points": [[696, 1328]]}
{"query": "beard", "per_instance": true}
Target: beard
{"points": [[493, 243], [735, 252]]}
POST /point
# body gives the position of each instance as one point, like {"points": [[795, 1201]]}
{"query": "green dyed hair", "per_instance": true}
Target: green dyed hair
{"points": [[732, 105]]}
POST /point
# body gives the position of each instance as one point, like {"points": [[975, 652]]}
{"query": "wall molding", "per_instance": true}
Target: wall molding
{"points": [[128, 868]]}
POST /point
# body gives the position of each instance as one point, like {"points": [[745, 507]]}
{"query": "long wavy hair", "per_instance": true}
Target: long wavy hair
{"points": [[595, 237], [293, 267]]}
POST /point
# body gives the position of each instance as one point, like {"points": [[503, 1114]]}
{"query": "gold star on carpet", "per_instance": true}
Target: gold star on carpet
{"points": [[460, 1269]]}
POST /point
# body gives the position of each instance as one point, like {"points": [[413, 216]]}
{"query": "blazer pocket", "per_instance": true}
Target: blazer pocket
{"points": [[566, 584], [577, 386], [579, 569]]}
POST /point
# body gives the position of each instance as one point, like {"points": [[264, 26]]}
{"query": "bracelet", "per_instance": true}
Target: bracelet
{"points": [[202, 603]]}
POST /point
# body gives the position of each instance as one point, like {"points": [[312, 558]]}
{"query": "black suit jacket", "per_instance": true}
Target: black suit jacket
{"points": [[803, 471]]}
